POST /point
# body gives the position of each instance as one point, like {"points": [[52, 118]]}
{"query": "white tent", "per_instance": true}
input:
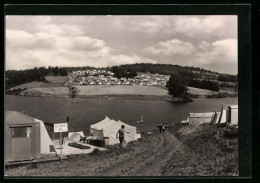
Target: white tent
{"points": [[232, 115], [200, 117], [75, 136], [223, 117], [46, 143], [109, 128]]}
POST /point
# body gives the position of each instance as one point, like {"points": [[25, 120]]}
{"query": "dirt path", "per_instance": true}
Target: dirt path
{"points": [[153, 166], [145, 161]]}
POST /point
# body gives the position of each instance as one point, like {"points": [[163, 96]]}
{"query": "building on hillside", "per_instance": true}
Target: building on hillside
{"points": [[103, 79], [113, 79], [123, 79]]}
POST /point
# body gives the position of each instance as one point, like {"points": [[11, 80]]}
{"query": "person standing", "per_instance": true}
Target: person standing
{"points": [[163, 128], [121, 135]]}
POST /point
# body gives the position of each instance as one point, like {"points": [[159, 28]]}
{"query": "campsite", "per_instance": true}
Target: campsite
{"points": [[146, 153], [155, 154]]}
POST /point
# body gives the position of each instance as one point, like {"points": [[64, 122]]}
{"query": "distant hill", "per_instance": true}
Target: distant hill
{"points": [[168, 69], [17, 77]]}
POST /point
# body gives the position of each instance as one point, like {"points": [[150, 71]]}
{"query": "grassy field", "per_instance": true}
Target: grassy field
{"points": [[52, 81], [198, 91], [121, 90], [57, 79], [53, 90]]}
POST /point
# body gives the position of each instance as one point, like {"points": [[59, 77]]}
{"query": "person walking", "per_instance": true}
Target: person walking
{"points": [[121, 134], [160, 128], [163, 128]]}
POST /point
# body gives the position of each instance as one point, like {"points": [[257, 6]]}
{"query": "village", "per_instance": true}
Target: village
{"points": [[103, 77]]}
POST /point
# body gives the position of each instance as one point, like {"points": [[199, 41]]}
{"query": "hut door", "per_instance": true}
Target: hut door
{"points": [[21, 143]]}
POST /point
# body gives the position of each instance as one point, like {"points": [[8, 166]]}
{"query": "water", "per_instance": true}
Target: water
{"points": [[89, 111]]}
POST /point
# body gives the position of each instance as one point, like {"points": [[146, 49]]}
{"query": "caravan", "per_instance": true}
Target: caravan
{"points": [[26, 138]]}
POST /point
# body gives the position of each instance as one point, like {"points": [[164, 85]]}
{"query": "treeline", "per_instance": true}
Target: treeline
{"points": [[166, 69], [14, 77], [227, 78], [204, 84], [70, 69], [120, 72], [177, 85]]}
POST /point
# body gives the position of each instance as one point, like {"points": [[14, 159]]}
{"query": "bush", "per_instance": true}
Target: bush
{"points": [[95, 152]]}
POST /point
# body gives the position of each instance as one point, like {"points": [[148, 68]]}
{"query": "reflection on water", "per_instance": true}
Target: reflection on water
{"points": [[90, 111]]}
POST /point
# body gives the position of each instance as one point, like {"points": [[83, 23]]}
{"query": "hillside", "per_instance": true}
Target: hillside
{"points": [[17, 77], [168, 69], [202, 150]]}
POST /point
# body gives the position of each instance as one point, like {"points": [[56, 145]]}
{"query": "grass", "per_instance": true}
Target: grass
{"points": [[57, 79], [52, 81], [198, 91], [53, 90], [205, 152], [121, 90]]}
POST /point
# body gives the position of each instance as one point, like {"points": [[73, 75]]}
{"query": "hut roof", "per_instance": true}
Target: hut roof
{"points": [[18, 118]]}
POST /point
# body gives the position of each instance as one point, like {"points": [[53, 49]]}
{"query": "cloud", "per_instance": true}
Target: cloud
{"points": [[170, 48], [202, 41], [27, 50], [221, 51]]}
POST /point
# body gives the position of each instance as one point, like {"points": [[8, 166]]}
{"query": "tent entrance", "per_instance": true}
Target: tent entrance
{"points": [[21, 143]]}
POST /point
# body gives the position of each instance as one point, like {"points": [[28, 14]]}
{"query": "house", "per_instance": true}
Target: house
{"points": [[113, 79], [123, 79], [103, 79]]}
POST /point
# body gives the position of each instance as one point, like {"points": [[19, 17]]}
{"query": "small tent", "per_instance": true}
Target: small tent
{"points": [[26, 138], [109, 128], [200, 118], [229, 115], [223, 117], [75, 136], [232, 115]]}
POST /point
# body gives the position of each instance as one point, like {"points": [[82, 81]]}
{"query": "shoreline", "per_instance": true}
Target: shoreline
{"points": [[166, 98]]}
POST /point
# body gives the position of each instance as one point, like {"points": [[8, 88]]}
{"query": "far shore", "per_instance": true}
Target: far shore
{"points": [[152, 93]]}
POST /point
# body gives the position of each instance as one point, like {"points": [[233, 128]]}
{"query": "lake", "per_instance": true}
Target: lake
{"points": [[89, 111]]}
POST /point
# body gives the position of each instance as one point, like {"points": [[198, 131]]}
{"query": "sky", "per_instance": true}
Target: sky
{"points": [[208, 42]]}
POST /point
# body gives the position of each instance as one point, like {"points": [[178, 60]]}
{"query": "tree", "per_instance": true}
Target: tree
{"points": [[177, 85]]}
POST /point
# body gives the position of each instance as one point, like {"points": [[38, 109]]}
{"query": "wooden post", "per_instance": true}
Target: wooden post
{"points": [[60, 144]]}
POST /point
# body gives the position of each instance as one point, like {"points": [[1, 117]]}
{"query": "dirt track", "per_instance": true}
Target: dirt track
{"points": [[146, 160]]}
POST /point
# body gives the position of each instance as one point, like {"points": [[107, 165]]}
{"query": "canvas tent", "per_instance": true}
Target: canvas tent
{"points": [[223, 117], [25, 137], [232, 115], [75, 136], [200, 118], [229, 115], [109, 128]]}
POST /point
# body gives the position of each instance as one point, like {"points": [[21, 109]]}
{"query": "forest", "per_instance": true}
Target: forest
{"points": [[14, 77]]}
